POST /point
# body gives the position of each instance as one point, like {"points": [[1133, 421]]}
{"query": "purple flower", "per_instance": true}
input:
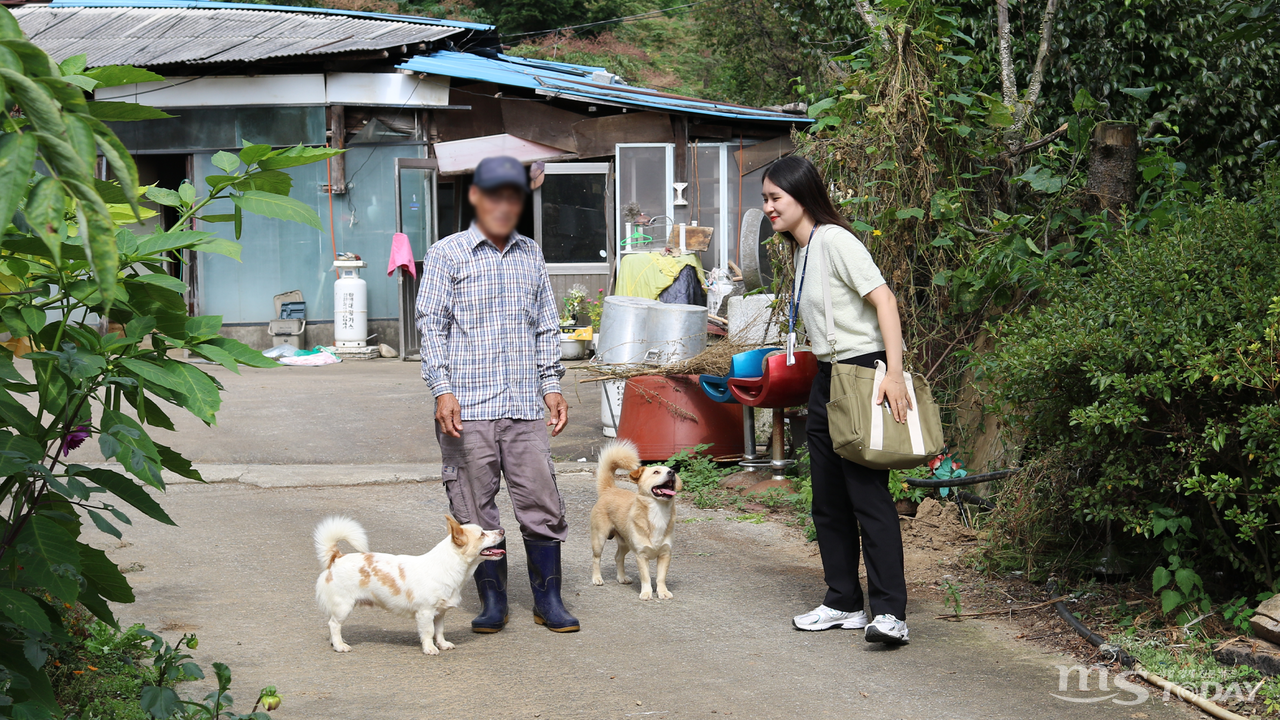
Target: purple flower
{"points": [[74, 439]]}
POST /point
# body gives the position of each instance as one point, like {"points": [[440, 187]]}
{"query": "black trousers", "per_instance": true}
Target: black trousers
{"points": [[853, 513]]}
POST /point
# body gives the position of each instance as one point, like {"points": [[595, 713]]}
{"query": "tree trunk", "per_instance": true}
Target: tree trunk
{"points": [[1113, 168]]}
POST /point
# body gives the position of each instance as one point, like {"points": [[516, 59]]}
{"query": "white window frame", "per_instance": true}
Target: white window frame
{"points": [[620, 227], [570, 168]]}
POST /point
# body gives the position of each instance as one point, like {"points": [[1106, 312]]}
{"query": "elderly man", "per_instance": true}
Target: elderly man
{"points": [[491, 355]]}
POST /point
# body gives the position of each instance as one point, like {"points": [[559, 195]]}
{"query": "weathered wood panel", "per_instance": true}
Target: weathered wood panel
{"points": [[484, 117], [541, 123], [596, 137], [757, 156]]}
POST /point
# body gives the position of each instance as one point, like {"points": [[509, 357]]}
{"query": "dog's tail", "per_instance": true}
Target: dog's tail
{"points": [[617, 455], [333, 530]]}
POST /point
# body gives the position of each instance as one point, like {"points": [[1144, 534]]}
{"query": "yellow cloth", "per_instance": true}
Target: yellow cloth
{"points": [[646, 275]]}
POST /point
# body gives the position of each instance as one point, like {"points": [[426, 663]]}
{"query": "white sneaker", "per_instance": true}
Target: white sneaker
{"points": [[887, 629], [824, 618]]}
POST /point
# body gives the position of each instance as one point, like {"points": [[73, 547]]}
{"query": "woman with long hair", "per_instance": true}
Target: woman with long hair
{"points": [[853, 511]]}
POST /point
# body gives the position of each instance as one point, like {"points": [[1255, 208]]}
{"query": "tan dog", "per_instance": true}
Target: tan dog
{"points": [[641, 521], [421, 586]]}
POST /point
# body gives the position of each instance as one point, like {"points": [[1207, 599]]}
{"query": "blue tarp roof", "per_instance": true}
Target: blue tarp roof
{"points": [[213, 5], [579, 82]]}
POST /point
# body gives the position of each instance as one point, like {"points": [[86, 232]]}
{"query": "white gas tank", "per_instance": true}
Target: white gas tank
{"points": [[350, 305]]}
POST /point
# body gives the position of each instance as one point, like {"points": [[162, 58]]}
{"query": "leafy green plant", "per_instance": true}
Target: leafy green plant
{"points": [[951, 596], [1238, 611], [700, 475], [1148, 394], [94, 302], [900, 490], [172, 664]]}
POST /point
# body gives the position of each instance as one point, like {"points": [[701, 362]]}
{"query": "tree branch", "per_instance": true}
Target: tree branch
{"points": [[1037, 143], [1037, 73], [873, 21], [1008, 80]]}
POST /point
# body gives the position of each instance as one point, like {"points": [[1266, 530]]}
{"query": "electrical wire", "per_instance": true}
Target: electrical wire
{"points": [[629, 18]]}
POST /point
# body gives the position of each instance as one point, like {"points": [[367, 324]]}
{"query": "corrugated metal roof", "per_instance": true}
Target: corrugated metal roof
{"points": [[579, 82], [169, 33], [216, 5]]}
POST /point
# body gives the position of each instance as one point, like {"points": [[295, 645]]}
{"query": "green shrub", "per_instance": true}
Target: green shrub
{"points": [[1147, 393]]}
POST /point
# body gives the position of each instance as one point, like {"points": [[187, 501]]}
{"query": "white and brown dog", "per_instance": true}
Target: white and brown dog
{"points": [[422, 586], [641, 521]]}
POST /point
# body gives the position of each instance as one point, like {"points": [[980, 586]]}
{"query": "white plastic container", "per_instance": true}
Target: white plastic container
{"points": [[350, 305]]}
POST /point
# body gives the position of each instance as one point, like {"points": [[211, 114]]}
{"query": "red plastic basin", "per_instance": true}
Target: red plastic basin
{"points": [[663, 415]]}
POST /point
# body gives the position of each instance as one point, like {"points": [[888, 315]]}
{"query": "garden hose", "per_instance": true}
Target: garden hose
{"points": [[978, 500], [956, 482], [1132, 663]]}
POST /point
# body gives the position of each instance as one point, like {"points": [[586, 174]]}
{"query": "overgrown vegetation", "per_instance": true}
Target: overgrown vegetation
{"points": [[1148, 397], [94, 315]]}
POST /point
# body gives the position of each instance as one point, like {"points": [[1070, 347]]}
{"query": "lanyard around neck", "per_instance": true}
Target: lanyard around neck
{"points": [[795, 302]]}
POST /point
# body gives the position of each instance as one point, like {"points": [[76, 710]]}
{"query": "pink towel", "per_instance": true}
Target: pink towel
{"points": [[401, 255]]}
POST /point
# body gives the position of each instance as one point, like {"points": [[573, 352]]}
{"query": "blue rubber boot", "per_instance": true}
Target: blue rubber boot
{"points": [[544, 578], [491, 583]]}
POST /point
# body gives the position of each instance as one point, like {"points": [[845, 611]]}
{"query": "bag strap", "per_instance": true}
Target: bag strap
{"points": [[826, 295], [826, 303]]}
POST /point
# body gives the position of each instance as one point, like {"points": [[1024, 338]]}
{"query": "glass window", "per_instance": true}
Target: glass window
{"points": [[644, 173], [224, 127], [573, 218]]}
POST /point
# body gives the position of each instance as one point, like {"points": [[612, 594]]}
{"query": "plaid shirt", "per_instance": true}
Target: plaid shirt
{"points": [[489, 326]]}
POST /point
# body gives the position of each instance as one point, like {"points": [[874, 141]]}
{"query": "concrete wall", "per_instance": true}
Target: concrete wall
{"points": [[318, 332]]}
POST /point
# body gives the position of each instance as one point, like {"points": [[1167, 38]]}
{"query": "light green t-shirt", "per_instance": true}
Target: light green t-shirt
{"points": [[853, 274]]}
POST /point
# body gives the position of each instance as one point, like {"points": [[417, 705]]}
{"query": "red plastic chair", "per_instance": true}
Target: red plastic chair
{"points": [[782, 386]]}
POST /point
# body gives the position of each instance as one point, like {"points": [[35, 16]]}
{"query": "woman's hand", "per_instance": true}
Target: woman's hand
{"points": [[894, 389]]}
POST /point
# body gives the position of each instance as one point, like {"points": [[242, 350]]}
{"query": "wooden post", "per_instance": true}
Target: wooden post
{"points": [[1113, 167], [680, 128], [337, 139]]}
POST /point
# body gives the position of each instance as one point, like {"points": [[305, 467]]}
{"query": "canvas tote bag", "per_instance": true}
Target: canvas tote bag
{"points": [[864, 432]]}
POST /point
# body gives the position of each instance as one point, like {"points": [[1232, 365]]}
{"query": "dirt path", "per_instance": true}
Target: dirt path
{"points": [[240, 572]]}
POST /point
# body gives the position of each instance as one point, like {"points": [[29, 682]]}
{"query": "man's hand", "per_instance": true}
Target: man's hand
{"points": [[449, 414], [557, 412]]}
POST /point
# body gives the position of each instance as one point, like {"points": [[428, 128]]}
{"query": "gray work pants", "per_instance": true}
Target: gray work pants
{"points": [[520, 451]]}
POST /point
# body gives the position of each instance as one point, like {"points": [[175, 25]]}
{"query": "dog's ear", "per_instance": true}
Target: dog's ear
{"points": [[679, 485], [456, 532], [636, 474]]}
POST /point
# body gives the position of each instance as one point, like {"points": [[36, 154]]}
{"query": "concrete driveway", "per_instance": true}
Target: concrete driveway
{"points": [[240, 572], [295, 444]]}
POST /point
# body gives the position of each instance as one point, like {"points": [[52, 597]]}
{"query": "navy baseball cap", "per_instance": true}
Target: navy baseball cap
{"points": [[501, 171]]}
